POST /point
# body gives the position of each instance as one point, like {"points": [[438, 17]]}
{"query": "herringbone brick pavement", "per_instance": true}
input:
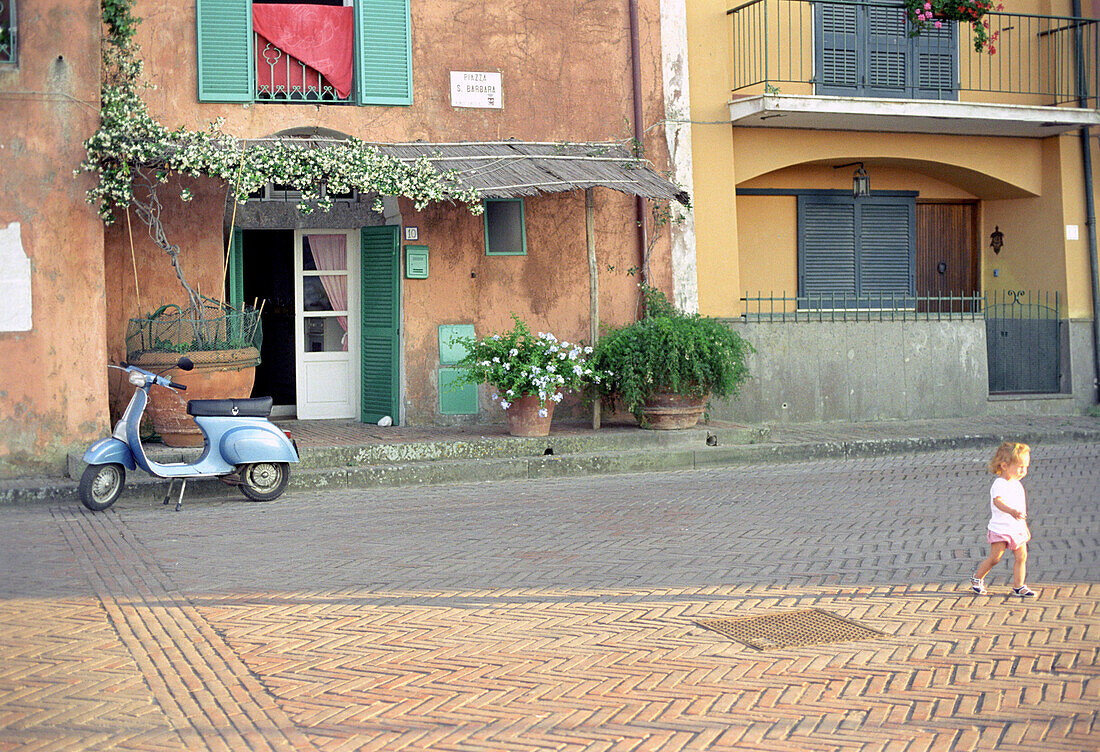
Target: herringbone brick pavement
{"points": [[626, 670], [558, 615]]}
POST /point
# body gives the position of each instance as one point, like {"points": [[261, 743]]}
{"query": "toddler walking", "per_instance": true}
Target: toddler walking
{"points": [[1007, 527]]}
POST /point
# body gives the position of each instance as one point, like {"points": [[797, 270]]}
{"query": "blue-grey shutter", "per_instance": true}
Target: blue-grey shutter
{"points": [[837, 54], [935, 52], [886, 251], [225, 66], [886, 55], [827, 251], [381, 311], [383, 52]]}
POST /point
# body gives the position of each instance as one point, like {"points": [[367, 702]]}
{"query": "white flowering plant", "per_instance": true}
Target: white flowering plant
{"points": [[129, 139], [518, 363]]}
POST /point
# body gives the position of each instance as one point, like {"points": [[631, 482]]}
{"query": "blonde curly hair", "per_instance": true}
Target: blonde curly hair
{"points": [[1007, 453]]}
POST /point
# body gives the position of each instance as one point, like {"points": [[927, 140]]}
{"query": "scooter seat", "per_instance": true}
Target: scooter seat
{"points": [[259, 407]]}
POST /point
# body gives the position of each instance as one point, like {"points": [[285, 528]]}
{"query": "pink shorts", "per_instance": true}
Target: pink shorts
{"points": [[1013, 541]]}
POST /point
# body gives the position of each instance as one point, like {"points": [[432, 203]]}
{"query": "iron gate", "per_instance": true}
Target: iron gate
{"points": [[1023, 336]]}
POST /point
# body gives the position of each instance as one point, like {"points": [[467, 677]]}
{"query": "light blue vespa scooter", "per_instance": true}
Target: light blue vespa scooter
{"points": [[240, 447]]}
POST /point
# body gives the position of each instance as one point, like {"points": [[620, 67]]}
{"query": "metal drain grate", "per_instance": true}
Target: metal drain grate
{"points": [[809, 626]]}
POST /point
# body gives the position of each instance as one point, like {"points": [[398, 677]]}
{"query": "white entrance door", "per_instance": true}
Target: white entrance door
{"points": [[326, 323]]}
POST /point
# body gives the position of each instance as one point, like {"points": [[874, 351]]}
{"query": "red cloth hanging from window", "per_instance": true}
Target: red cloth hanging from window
{"points": [[321, 36]]}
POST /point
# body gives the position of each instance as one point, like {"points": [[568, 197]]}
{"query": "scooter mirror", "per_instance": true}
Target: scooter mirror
{"points": [[185, 364]]}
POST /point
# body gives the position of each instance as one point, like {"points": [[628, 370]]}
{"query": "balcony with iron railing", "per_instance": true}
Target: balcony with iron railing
{"points": [[854, 65]]}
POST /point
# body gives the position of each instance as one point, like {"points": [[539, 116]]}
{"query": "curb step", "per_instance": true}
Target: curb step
{"points": [[511, 458]]}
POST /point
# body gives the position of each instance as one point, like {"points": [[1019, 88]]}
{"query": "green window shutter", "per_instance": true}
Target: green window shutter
{"points": [[235, 283], [381, 323], [226, 69], [383, 52]]}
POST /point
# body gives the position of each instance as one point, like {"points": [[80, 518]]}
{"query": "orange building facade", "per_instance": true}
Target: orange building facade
{"points": [[543, 86]]}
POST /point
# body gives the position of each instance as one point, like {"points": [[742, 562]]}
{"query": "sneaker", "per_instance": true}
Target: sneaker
{"points": [[978, 586], [1024, 592]]}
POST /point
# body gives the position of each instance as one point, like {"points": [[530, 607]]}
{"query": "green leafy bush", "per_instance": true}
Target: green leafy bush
{"points": [[668, 351]]}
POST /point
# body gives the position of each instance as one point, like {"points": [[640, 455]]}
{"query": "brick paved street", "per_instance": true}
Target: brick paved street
{"points": [[559, 614]]}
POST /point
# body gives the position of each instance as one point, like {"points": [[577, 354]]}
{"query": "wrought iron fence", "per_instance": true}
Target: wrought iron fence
{"points": [[282, 78], [1023, 337], [842, 307], [1039, 59], [7, 32]]}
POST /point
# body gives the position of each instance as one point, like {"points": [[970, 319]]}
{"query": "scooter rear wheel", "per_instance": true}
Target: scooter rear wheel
{"points": [[264, 481], [100, 485]]}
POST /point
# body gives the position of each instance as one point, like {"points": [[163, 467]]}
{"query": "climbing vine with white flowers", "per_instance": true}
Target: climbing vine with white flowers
{"points": [[130, 139]]}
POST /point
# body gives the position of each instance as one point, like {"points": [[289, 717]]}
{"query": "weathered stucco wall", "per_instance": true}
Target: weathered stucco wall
{"points": [[552, 91], [565, 75], [818, 371], [548, 288], [53, 382]]}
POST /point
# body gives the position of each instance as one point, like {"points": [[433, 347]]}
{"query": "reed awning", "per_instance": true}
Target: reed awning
{"points": [[512, 169]]}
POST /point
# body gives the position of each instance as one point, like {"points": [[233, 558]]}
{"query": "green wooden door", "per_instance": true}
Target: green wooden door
{"points": [[381, 308], [234, 284]]}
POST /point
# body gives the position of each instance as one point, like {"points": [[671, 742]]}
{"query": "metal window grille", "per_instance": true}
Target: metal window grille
{"points": [[8, 37], [284, 68]]}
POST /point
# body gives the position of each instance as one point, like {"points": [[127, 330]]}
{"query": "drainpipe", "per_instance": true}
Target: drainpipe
{"points": [[636, 87], [1090, 204]]}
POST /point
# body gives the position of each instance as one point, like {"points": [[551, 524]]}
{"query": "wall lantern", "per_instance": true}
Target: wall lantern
{"points": [[996, 239], [861, 184]]}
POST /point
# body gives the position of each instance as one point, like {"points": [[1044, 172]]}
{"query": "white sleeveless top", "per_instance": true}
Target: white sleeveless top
{"points": [[1012, 495]]}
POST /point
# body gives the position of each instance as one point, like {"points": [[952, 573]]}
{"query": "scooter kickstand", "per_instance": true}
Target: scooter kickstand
{"points": [[183, 485], [167, 496]]}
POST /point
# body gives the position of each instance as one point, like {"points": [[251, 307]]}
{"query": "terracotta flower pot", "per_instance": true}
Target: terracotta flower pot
{"points": [[524, 419], [218, 374], [666, 411]]}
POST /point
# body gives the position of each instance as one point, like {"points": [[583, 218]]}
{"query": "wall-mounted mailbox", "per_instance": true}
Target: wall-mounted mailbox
{"points": [[416, 262]]}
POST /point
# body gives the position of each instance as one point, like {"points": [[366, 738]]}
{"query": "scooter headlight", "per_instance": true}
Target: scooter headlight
{"points": [[137, 379]]}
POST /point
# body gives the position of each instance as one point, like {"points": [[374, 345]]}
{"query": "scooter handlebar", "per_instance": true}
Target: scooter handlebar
{"points": [[174, 385]]}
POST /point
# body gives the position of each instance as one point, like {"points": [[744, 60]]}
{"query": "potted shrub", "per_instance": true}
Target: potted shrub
{"points": [[665, 367], [528, 373]]}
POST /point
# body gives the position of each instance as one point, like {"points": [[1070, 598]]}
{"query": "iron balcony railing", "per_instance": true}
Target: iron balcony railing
{"points": [[282, 78], [1014, 304], [876, 307], [1039, 60], [7, 32]]}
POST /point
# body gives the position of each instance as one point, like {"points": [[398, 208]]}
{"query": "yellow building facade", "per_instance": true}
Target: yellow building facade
{"points": [[961, 282]]}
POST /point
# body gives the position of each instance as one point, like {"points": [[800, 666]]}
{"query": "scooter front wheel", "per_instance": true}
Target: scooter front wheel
{"points": [[264, 481], [100, 485]]}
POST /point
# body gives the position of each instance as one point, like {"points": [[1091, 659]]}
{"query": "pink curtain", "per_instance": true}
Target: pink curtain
{"points": [[321, 36], [330, 253]]}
